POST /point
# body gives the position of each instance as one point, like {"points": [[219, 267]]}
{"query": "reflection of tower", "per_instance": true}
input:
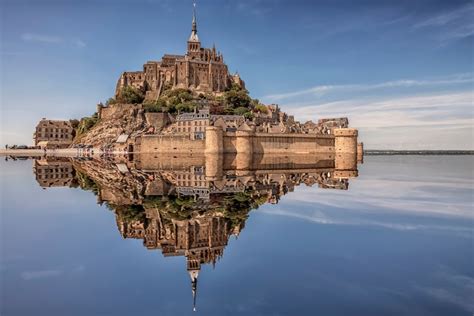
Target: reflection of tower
{"points": [[193, 269]]}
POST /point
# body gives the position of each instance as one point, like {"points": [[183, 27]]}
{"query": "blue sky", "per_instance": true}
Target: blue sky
{"points": [[402, 71]]}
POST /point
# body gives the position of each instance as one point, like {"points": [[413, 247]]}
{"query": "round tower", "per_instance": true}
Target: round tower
{"points": [[345, 145], [244, 148], [214, 167], [214, 140]]}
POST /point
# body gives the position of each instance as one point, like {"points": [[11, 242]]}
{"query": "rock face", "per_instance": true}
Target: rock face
{"points": [[116, 120]]}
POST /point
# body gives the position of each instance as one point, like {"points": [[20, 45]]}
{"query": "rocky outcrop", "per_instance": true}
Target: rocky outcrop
{"points": [[117, 119]]}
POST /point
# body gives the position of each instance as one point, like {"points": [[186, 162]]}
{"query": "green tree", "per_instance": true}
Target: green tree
{"points": [[261, 108], [130, 95], [156, 106], [110, 101], [86, 123]]}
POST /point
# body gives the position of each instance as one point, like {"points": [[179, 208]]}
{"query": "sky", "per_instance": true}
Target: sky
{"points": [[401, 71]]}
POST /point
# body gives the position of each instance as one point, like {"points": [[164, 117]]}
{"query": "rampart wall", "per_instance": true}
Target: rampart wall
{"points": [[248, 143], [175, 143]]}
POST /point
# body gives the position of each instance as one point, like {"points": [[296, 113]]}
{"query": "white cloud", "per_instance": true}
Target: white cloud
{"points": [[403, 83], [435, 113], [453, 25], [52, 39]]}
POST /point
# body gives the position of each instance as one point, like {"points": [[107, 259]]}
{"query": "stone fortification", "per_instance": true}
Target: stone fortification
{"points": [[200, 69]]}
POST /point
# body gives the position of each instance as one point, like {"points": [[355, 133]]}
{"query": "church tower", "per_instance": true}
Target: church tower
{"points": [[194, 45]]}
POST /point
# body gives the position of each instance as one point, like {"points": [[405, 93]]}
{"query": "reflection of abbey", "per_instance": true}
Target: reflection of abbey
{"points": [[190, 206], [201, 69]]}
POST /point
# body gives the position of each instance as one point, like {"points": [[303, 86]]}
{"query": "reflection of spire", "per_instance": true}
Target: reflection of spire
{"points": [[194, 276]]}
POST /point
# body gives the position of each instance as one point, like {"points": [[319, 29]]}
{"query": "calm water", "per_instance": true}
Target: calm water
{"points": [[399, 241]]}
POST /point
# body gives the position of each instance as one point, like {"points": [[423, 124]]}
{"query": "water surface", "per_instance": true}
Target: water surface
{"points": [[398, 241]]}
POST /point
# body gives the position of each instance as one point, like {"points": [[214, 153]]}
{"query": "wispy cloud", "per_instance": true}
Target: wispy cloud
{"points": [[427, 113], [462, 13], [456, 24], [408, 200], [52, 39], [402, 83], [254, 7], [417, 110], [431, 121], [454, 288], [79, 43], [29, 37]]}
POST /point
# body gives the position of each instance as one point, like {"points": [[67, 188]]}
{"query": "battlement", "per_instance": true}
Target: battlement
{"points": [[345, 132]]}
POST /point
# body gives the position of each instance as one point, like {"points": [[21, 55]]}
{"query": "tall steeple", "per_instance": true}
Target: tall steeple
{"points": [[194, 37]]}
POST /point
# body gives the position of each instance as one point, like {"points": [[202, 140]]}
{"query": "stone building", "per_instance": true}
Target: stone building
{"points": [[53, 134], [193, 123], [201, 70], [56, 172]]}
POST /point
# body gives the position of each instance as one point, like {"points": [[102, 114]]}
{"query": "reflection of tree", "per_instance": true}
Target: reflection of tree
{"points": [[174, 207], [236, 206], [129, 213], [86, 183]]}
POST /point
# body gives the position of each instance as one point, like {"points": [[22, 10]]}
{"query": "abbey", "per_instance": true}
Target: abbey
{"points": [[202, 70]]}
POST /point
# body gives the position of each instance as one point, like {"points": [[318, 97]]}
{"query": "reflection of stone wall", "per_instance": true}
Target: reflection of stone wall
{"points": [[346, 140]]}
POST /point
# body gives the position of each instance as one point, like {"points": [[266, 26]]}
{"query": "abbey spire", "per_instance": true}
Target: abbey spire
{"points": [[194, 37]]}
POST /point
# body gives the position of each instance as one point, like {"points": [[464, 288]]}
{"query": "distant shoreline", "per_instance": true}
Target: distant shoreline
{"points": [[373, 152]]}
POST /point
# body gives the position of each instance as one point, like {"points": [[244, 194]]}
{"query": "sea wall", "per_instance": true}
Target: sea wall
{"points": [[248, 143], [264, 143], [175, 143]]}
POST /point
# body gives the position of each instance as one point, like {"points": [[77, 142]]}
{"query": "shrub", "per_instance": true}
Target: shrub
{"points": [[130, 95], [240, 111], [186, 107], [86, 123], [261, 108], [110, 101], [157, 106]]}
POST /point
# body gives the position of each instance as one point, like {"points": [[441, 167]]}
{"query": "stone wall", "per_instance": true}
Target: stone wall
{"points": [[251, 143], [180, 143], [114, 110], [157, 120]]}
